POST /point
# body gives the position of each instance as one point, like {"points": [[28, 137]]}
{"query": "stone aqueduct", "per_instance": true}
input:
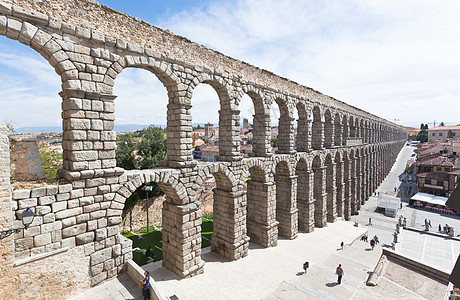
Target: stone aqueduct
{"points": [[342, 153]]}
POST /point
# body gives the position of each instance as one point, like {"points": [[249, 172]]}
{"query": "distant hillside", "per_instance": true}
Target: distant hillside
{"points": [[118, 127]]}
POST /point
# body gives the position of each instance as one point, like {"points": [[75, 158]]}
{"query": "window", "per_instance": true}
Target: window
{"points": [[440, 183], [438, 169], [446, 170], [440, 134], [453, 133], [433, 134]]}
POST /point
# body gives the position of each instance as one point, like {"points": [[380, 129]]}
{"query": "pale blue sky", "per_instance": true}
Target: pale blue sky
{"points": [[395, 59]]}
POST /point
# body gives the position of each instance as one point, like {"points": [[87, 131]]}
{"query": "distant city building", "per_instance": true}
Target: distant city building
{"points": [[411, 133], [209, 153], [438, 168], [246, 123], [208, 129], [444, 133]]}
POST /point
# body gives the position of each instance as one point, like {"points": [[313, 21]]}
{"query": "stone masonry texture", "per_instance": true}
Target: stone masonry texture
{"points": [[342, 153]]}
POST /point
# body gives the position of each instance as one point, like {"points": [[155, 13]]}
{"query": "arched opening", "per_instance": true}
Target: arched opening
{"points": [[286, 206], [303, 129], [31, 110], [140, 119], [317, 138], [305, 202], [330, 190], [354, 183], [338, 128], [319, 192], [142, 222], [284, 140], [328, 130], [261, 220], [247, 125], [352, 127], [206, 132]]}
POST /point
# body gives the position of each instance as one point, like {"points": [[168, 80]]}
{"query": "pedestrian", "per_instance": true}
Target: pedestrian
{"points": [[376, 239], [372, 244], [145, 283], [370, 221], [439, 228], [339, 272], [429, 222], [365, 238], [400, 205], [341, 245]]}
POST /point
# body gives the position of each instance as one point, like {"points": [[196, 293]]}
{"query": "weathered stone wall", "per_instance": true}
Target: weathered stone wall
{"points": [[6, 217], [135, 218], [26, 163]]}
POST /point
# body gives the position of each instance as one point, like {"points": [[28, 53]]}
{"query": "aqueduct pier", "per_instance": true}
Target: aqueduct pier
{"points": [[342, 153]]}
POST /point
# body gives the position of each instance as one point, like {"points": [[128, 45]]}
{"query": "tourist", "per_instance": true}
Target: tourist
{"points": [[376, 239], [145, 283], [149, 253], [439, 228], [339, 272], [370, 221], [429, 222], [372, 244], [365, 238], [341, 245]]}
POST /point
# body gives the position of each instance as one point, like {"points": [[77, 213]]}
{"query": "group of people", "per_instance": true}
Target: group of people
{"points": [[373, 242], [446, 229]]}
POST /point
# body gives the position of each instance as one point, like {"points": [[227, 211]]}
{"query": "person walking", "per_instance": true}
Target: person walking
{"points": [[339, 272], [372, 244], [439, 228], [370, 221], [341, 245], [145, 283]]}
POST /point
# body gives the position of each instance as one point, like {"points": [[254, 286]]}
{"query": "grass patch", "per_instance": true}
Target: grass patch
{"points": [[154, 238]]}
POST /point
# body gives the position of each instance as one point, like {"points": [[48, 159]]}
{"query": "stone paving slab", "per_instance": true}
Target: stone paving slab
{"points": [[260, 273]]}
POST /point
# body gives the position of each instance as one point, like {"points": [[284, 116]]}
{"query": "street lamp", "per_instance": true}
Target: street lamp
{"points": [[147, 189], [27, 218]]}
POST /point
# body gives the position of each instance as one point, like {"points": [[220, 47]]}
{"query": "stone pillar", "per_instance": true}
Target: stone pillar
{"points": [[286, 206], [262, 225], [305, 201], [89, 141], [340, 189], [286, 135], [181, 235], [320, 197], [346, 133], [261, 135], [331, 190], [229, 238], [328, 134], [354, 185], [359, 185], [303, 135], [229, 135], [179, 134], [317, 142], [347, 167], [6, 216]]}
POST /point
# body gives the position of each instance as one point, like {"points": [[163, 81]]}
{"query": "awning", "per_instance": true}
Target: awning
{"points": [[429, 198]]}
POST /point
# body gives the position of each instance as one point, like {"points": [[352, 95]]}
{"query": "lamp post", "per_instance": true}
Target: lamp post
{"points": [[147, 189], [27, 218]]}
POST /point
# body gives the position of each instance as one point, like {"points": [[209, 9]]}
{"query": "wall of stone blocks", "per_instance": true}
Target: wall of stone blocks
{"points": [[26, 163]]}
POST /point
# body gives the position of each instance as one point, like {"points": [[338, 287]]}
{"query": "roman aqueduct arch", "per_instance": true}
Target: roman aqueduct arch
{"points": [[341, 155]]}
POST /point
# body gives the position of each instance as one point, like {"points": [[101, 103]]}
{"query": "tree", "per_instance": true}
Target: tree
{"points": [[449, 134], [422, 136], [422, 126], [274, 142], [426, 126], [125, 152], [51, 161], [152, 147], [441, 124]]}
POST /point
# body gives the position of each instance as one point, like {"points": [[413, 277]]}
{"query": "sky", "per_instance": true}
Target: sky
{"points": [[398, 60]]}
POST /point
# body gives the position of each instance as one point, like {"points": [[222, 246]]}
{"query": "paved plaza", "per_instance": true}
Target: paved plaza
{"points": [[276, 273]]}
